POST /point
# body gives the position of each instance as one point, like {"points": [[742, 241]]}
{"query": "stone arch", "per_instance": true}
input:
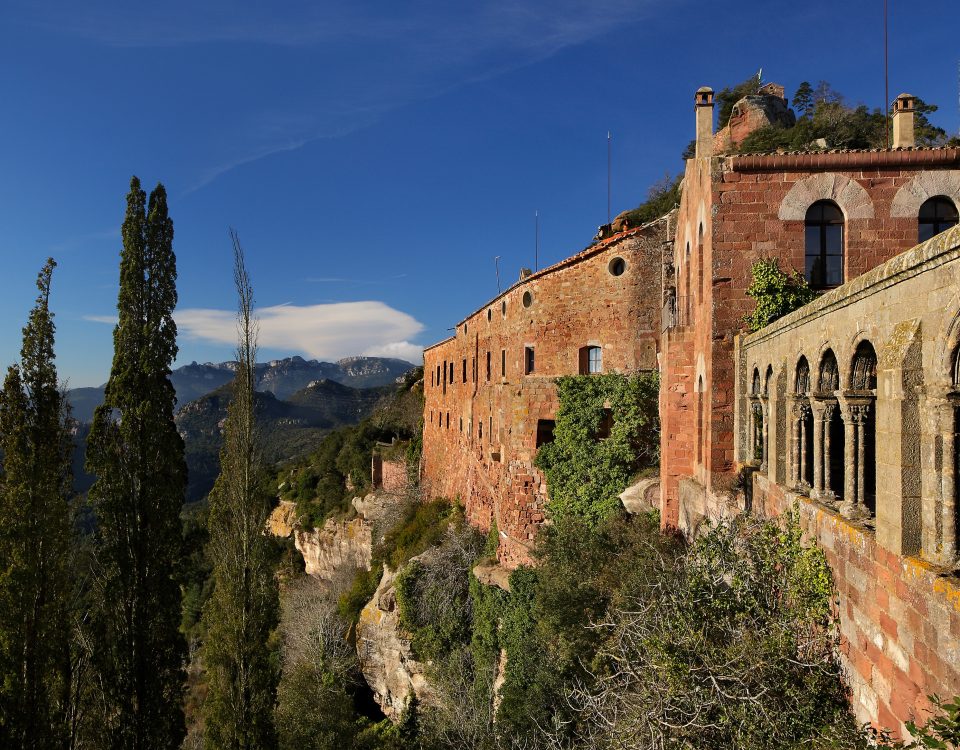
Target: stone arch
{"points": [[849, 194], [767, 380], [828, 372], [755, 383], [948, 344], [801, 376], [863, 367], [922, 186]]}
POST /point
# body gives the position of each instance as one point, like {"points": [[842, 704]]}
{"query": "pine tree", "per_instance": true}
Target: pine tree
{"points": [[243, 608], [34, 541], [136, 455], [803, 99]]}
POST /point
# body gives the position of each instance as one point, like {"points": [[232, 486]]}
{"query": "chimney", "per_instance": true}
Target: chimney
{"points": [[903, 109], [703, 100]]}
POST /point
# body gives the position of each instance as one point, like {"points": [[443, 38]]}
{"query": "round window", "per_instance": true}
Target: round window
{"points": [[527, 299], [617, 266]]}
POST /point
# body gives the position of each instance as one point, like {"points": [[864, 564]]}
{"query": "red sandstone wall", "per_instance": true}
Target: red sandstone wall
{"points": [[394, 476], [899, 619], [737, 200], [576, 303]]}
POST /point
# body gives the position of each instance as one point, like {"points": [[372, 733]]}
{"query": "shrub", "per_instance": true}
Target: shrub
{"points": [[776, 293], [587, 470]]}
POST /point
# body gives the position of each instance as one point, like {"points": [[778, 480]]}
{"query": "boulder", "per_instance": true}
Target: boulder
{"points": [[642, 497], [282, 519]]}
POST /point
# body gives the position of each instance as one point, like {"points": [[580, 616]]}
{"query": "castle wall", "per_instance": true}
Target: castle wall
{"points": [[480, 430], [888, 523], [749, 208]]}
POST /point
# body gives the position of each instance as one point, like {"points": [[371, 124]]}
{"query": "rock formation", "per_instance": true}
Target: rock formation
{"points": [[383, 648]]}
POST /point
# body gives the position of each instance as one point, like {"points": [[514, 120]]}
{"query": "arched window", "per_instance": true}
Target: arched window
{"points": [[767, 379], [936, 215], [823, 241], [755, 385], [864, 376], [591, 360], [802, 383], [829, 379]]}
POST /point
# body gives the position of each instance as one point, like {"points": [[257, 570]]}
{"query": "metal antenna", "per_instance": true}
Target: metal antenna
{"points": [[536, 240], [496, 262], [608, 176], [886, 73]]}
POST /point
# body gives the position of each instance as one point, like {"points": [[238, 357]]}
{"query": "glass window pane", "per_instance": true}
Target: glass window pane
{"points": [[834, 270], [833, 240], [926, 231]]}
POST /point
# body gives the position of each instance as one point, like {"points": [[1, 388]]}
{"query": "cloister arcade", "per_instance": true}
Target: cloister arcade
{"points": [[854, 401]]}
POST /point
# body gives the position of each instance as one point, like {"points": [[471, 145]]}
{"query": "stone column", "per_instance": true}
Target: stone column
{"points": [[796, 414], [765, 434], [849, 455], [948, 491], [854, 503], [804, 458], [818, 408], [828, 409]]}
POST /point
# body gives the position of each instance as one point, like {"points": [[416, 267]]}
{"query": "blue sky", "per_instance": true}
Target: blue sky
{"points": [[376, 156]]}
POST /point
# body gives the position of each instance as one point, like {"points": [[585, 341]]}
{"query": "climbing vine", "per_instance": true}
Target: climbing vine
{"points": [[607, 430], [776, 292]]}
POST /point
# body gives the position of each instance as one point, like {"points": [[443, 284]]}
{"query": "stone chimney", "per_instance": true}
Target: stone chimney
{"points": [[903, 109], [703, 100]]}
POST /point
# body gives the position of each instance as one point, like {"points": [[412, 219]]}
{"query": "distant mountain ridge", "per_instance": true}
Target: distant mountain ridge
{"points": [[280, 377]]}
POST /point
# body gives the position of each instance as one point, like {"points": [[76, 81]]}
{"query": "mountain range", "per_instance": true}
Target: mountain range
{"points": [[297, 401], [280, 377]]}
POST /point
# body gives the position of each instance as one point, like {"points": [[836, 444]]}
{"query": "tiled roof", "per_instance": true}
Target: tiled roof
{"points": [[844, 158]]}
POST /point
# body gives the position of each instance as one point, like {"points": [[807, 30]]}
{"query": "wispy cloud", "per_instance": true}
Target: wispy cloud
{"points": [[108, 319], [325, 331]]}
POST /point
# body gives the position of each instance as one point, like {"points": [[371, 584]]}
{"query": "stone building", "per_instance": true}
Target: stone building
{"points": [[845, 408], [489, 395]]}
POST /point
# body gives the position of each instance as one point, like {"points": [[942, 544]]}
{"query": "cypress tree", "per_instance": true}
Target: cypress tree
{"points": [[136, 455], [243, 608], [34, 541]]}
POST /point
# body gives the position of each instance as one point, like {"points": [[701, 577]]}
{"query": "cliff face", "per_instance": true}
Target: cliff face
{"points": [[334, 552], [383, 649]]}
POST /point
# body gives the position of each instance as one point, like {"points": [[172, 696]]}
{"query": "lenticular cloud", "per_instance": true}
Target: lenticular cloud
{"points": [[326, 331]]}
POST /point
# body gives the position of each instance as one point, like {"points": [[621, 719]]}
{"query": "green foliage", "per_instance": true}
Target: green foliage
{"points": [[803, 99], [137, 456], [35, 543], [361, 591], [587, 472], [422, 526], [823, 114], [776, 293], [692, 643], [662, 197], [940, 732], [318, 484], [243, 609]]}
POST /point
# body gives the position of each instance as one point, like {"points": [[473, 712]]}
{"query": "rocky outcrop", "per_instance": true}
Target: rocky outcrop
{"points": [[334, 552], [383, 648], [642, 497], [282, 519]]}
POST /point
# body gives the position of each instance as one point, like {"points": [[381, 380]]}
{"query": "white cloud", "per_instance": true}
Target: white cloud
{"points": [[109, 319], [326, 331], [412, 353]]}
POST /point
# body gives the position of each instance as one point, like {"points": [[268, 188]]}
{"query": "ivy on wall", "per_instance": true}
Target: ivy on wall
{"points": [[776, 292], [607, 429]]}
